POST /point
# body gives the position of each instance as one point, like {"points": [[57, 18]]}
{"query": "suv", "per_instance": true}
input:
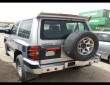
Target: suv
{"points": [[51, 42]]}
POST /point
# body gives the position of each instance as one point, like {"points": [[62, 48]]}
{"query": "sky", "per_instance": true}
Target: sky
{"points": [[12, 12]]}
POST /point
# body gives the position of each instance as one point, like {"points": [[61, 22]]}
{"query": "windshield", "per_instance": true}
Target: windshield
{"points": [[103, 37], [60, 29]]}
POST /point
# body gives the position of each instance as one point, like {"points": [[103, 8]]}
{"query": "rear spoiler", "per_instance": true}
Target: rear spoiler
{"points": [[63, 16]]}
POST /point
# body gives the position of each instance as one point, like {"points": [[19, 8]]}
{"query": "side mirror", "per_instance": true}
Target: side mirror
{"points": [[7, 31]]}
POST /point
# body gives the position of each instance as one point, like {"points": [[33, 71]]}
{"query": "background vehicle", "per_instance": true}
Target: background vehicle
{"points": [[46, 43], [104, 44], [3, 27]]}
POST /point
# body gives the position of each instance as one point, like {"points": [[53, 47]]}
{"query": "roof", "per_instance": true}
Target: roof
{"points": [[64, 16]]}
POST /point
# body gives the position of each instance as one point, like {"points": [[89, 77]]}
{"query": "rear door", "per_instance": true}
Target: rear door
{"points": [[51, 36]]}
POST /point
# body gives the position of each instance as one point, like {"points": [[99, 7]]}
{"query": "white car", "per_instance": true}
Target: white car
{"points": [[104, 45]]}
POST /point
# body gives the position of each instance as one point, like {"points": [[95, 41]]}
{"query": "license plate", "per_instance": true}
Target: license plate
{"points": [[50, 53]]}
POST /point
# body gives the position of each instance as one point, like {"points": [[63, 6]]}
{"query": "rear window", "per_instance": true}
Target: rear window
{"points": [[60, 29], [103, 37]]}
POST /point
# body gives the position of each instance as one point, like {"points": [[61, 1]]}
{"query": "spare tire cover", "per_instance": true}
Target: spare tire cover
{"points": [[81, 45]]}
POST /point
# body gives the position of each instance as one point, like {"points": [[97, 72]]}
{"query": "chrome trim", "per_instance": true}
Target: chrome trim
{"points": [[32, 62]]}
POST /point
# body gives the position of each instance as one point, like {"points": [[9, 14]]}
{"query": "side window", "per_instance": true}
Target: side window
{"points": [[14, 29], [25, 28], [103, 37]]}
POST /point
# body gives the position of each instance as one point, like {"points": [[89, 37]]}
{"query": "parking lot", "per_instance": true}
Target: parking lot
{"points": [[98, 72]]}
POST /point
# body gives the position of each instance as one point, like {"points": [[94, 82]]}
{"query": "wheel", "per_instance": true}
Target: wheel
{"points": [[100, 58], [6, 48], [20, 68], [81, 45], [109, 60]]}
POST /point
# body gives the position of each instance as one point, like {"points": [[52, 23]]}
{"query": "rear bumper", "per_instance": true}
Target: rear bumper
{"points": [[35, 68]]}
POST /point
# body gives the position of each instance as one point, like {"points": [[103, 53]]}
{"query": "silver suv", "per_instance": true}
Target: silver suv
{"points": [[51, 42]]}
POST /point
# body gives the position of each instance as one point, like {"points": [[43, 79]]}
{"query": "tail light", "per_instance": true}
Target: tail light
{"points": [[52, 49], [33, 52]]}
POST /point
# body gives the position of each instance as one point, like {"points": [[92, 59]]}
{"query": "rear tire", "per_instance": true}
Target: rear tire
{"points": [[22, 74], [6, 48], [20, 68], [109, 59]]}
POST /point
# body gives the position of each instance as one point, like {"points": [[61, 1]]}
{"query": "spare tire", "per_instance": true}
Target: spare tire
{"points": [[81, 45]]}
